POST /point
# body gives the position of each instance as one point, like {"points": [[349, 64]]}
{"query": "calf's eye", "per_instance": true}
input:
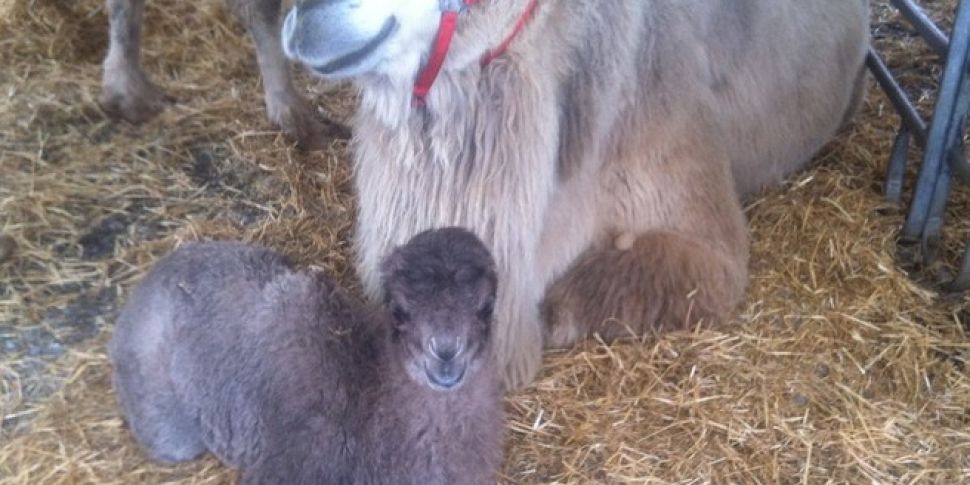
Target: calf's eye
{"points": [[400, 315], [485, 312]]}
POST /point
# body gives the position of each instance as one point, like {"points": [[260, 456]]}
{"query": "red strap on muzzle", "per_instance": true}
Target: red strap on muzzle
{"points": [[439, 50], [442, 43]]}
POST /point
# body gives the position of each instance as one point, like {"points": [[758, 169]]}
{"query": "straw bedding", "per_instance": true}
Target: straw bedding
{"points": [[843, 364]]}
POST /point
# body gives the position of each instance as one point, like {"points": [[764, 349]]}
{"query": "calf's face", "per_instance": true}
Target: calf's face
{"points": [[348, 38], [440, 291]]}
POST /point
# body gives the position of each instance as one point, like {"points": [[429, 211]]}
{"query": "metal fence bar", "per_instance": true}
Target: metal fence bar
{"points": [[939, 141], [942, 142], [897, 96], [896, 169], [941, 191], [926, 28], [961, 169]]}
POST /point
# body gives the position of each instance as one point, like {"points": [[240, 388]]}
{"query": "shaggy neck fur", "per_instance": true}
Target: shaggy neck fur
{"points": [[483, 136], [481, 28]]}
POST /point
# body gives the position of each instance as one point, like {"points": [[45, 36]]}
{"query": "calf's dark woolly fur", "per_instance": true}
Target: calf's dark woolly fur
{"points": [[225, 348]]}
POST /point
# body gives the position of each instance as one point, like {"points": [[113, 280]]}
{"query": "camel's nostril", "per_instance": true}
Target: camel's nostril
{"points": [[446, 355], [445, 350]]}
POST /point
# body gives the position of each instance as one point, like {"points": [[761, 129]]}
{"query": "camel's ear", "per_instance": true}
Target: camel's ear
{"points": [[391, 268], [393, 262], [487, 293]]}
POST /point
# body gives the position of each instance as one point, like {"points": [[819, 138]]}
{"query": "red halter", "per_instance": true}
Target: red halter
{"points": [[442, 42]]}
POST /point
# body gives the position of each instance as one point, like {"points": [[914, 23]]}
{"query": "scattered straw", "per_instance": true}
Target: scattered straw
{"points": [[839, 367]]}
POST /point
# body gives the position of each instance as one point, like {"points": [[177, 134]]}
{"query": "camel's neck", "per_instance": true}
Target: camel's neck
{"points": [[487, 26], [408, 423], [387, 101]]}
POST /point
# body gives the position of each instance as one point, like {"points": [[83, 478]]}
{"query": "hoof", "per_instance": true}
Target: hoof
{"points": [[295, 116], [133, 99]]}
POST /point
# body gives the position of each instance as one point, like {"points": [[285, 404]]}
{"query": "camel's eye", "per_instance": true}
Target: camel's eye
{"points": [[485, 312], [400, 315]]}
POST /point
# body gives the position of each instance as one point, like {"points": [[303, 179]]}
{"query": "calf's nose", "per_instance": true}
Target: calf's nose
{"points": [[445, 349]]}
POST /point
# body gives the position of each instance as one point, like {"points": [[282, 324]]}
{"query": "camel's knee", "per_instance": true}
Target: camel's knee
{"points": [[655, 281]]}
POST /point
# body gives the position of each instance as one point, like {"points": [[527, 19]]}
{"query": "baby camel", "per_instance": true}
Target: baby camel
{"points": [[225, 348]]}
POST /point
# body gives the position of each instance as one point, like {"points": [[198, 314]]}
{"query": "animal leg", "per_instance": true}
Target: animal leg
{"points": [[658, 280], [126, 91], [286, 108]]}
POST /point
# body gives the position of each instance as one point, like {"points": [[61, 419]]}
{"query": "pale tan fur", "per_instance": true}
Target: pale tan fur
{"points": [[605, 156]]}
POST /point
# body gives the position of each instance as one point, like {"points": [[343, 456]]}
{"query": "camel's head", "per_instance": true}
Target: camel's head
{"points": [[351, 38], [440, 289]]}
